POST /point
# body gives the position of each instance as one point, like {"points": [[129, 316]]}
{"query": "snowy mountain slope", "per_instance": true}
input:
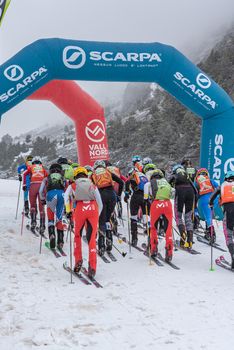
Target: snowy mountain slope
{"points": [[140, 306]]}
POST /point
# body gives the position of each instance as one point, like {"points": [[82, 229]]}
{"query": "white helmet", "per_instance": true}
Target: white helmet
{"points": [[99, 163], [146, 160], [36, 160]]}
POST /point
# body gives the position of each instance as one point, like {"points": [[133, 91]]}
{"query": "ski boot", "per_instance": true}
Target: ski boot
{"points": [[189, 243], [101, 244], [60, 241], [183, 239], [42, 226], [91, 272], [109, 240], [33, 222], [168, 254], [134, 233], [134, 239], [52, 236], [154, 252], [210, 234], [231, 251], [78, 266], [26, 208]]}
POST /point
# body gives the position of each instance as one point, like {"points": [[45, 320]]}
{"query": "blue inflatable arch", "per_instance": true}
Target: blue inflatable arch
{"points": [[48, 59]]}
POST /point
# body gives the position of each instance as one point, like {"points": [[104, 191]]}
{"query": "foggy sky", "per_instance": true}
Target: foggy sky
{"points": [[186, 24]]}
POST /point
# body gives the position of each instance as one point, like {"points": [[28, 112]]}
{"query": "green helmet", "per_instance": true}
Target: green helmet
{"points": [[157, 173], [149, 167]]}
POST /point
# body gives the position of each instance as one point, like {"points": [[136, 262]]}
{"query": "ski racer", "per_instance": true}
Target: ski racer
{"points": [[226, 193], [136, 161], [160, 192], [104, 180], [67, 169], [20, 170], [134, 187], [185, 197], [88, 206], [37, 173], [52, 193], [205, 187]]}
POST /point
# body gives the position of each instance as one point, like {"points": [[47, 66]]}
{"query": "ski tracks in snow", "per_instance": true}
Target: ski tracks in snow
{"points": [[140, 306]]}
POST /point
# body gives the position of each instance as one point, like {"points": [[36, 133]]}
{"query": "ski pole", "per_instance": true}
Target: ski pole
{"points": [[40, 243], [129, 238], [109, 240], [69, 227], [17, 207], [211, 242], [22, 224], [148, 234]]}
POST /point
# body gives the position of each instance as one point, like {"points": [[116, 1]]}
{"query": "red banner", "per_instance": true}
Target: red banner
{"points": [[86, 113]]}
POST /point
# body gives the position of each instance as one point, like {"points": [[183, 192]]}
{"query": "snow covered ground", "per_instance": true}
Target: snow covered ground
{"points": [[140, 307]]}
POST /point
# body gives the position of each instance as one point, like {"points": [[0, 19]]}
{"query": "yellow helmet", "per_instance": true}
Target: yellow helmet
{"points": [[80, 170]]}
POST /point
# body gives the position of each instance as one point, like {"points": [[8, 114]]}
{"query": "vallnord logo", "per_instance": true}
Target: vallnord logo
{"points": [[13, 72], [74, 57], [203, 81], [95, 130]]}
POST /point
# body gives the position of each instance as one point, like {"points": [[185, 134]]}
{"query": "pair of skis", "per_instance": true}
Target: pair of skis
{"points": [[222, 262], [36, 231], [57, 252], [188, 250], [156, 260], [204, 241], [103, 257], [83, 276]]}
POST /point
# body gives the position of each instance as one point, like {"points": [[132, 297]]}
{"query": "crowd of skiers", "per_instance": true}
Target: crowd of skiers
{"points": [[88, 197]]}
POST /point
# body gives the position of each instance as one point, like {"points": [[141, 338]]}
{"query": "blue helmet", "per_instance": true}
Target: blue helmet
{"points": [[229, 175], [136, 159], [177, 166]]}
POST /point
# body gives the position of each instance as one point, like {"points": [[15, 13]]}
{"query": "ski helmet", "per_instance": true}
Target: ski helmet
{"points": [[29, 158], [202, 171], [146, 160], [177, 166], [99, 163], [55, 168], [75, 165], [62, 160], [80, 170], [36, 160], [131, 171], [229, 175], [88, 168], [157, 173], [149, 167], [108, 163], [136, 159], [186, 162]]}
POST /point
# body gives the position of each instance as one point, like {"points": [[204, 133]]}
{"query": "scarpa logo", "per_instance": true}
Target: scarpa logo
{"points": [[109, 56], [229, 165], [95, 130], [13, 72], [193, 88], [16, 74], [203, 81], [74, 57]]}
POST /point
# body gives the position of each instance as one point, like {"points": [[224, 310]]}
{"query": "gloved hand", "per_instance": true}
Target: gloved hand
{"points": [[24, 188], [69, 215], [126, 197], [43, 201], [20, 177]]}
